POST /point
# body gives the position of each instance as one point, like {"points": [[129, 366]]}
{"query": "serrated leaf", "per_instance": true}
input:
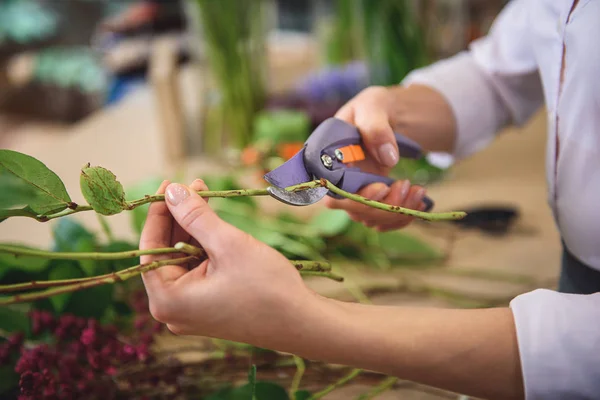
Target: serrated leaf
{"points": [[102, 190], [51, 194], [330, 222], [138, 215]]}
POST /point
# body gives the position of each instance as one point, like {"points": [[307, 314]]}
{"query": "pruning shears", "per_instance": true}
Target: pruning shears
{"points": [[327, 154]]}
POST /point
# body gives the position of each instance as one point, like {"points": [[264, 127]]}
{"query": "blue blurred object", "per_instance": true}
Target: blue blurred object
{"points": [[121, 86]]}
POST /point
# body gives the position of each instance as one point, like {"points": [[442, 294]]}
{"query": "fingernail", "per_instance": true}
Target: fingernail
{"points": [[404, 190], [176, 194], [388, 155], [381, 194], [418, 196]]}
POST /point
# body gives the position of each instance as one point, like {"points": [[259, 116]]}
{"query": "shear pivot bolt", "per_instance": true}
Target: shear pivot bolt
{"points": [[339, 155], [327, 161]]}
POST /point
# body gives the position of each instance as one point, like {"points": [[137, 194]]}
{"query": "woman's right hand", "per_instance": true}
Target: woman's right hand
{"points": [[373, 111]]}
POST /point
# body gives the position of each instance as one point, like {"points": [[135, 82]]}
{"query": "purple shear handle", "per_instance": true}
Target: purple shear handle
{"points": [[333, 134]]}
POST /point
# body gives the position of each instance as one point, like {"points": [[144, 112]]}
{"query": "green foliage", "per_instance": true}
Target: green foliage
{"points": [[51, 194], [13, 319], [102, 191], [281, 126]]}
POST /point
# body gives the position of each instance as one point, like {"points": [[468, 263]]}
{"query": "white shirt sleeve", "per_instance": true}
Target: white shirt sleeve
{"points": [[493, 84], [559, 344]]}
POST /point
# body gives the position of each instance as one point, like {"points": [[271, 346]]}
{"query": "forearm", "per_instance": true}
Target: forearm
{"points": [[471, 352], [423, 114]]}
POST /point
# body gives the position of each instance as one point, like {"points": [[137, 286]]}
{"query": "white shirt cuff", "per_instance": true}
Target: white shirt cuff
{"points": [[559, 344]]}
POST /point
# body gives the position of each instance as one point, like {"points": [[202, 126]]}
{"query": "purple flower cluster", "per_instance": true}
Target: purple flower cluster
{"points": [[334, 84], [83, 356]]}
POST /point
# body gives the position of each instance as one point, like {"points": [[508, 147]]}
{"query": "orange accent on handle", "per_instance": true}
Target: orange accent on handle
{"points": [[352, 153], [289, 150]]}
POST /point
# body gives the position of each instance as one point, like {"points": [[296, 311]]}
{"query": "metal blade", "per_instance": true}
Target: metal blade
{"points": [[293, 172]]}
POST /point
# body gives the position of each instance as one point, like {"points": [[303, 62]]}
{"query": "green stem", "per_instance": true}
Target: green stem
{"points": [[329, 275], [305, 267], [300, 368], [386, 384], [313, 266], [50, 255], [453, 215], [95, 281], [353, 374]]}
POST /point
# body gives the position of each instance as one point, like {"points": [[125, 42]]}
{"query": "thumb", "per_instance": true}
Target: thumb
{"points": [[377, 134], [196, 217]]}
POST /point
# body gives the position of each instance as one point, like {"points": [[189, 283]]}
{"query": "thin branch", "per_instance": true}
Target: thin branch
{"points": [[315, 268], [454, 215], [329, 275], [51, 255], [385, 385], [95, 281], [353, 374], [300, 368]]}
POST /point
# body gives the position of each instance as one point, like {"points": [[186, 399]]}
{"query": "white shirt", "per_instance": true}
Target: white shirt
{"points": [[503, 79]]}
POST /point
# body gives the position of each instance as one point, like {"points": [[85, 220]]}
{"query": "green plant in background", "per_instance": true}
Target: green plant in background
{"points": [[25, 21], [393, 39], [70, 68], [234, 39], [343, 43]]}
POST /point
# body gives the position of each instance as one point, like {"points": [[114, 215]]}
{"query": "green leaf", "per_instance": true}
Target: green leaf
{"points": [[14, 320], [93, 302], [102, 191], [330, 222], [138, 215], [14, 191], [397, 244], [302, 395], [64, 270], [51, 193], [67, 232]]}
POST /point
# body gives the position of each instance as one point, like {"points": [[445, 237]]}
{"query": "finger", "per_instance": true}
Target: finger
{"points": [[196, 217], [179, 234], [157, 233], [346, 113], [373, 123], [157, 228], [414, 198]]}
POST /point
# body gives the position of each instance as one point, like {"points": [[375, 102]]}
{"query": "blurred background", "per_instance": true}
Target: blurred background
{"points": [[227, 90]]}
